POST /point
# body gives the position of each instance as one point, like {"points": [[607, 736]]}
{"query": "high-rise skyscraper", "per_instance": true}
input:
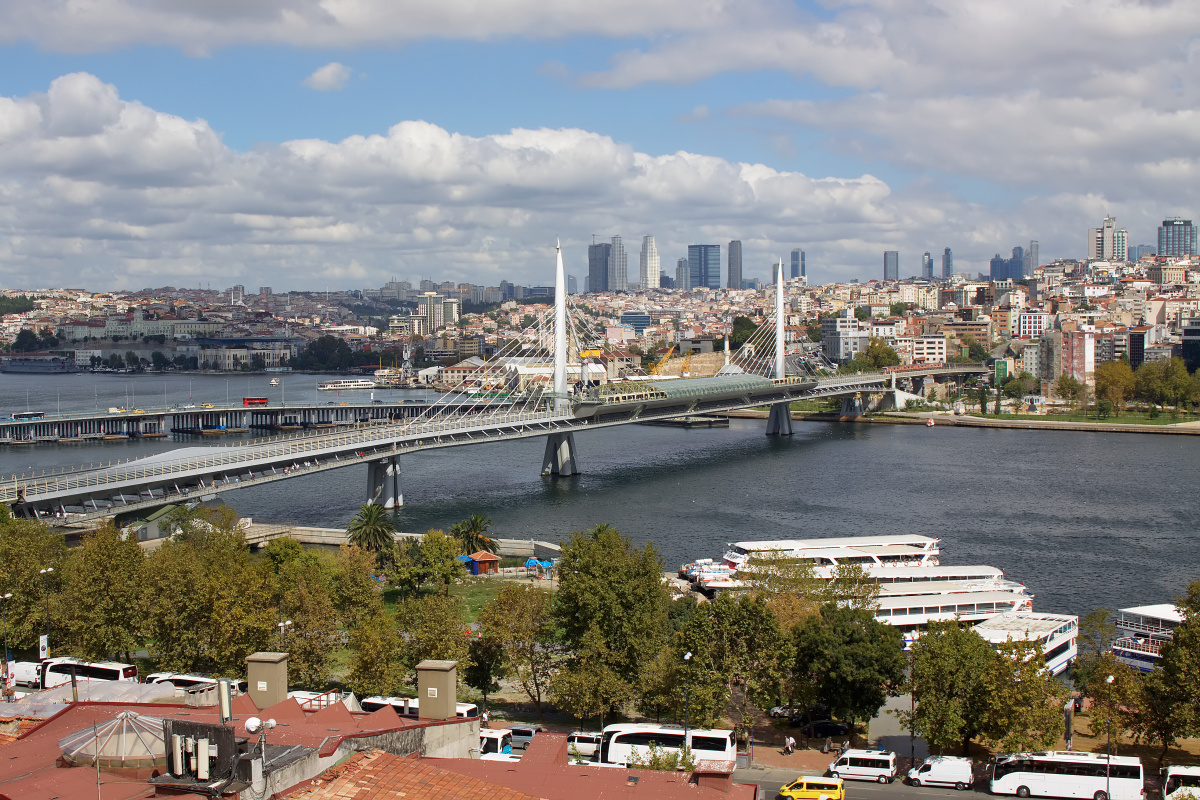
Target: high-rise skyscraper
{"points": [[683, 275], [651, 269], [798, 264], [733, 271], [599, 255], [891, 265], [926, 265], [704, 265], [1108, 243], [947, 263], [1031, 259], [618, 267], [1177, 237]]}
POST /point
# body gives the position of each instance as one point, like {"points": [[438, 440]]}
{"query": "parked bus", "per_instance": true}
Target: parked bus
{"points": [[1068, 774], [26, 416], [187, 681], [621, 742], [409, 706], [254, 401], [57, 671]]}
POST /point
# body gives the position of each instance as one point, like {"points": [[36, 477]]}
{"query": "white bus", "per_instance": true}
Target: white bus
{"points": [[57, 671], [185, 681], [410, 706], [622, 741], [1067, 774]]}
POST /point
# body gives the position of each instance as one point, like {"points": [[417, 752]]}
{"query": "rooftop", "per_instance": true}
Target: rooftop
{"points": [[1022, 625]]}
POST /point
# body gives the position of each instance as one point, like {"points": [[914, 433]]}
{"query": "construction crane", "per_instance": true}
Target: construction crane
{"points": [[686, 370], [657, 369]]}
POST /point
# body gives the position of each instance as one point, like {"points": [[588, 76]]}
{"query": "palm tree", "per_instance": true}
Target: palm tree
{"points": [[471, 532], [371, 529]]}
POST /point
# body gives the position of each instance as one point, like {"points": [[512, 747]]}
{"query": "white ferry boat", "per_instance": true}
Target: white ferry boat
{"points": [[912, 606], [1141, 633], [346, 384], [890, 550], [1056, 634], [390, 377]]}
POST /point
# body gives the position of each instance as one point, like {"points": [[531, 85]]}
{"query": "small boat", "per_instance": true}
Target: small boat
{"points": [[929, 422], [274, 381]]}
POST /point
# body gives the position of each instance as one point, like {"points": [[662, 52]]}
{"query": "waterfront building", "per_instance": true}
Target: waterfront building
{"points": [[947, 263], [650, 268], [1108, 242], [1177, 237], [733, 270], [704, 266], [891, 265], [798, 270]]}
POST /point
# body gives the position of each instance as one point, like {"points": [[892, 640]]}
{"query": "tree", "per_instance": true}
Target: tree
{"points": [[1115, 383], [487, 666], [1096, 634], [26, 341], [372, 528], [439, 560], [309, 640], [851, 586], [949, 662], [1024, 704], [789, 586], [209, 605], [1068, 387], [433, 627], [898, 309], [854, 662], [743, 329], [588, 686], [354, 592], [1149, 383], [375, 656], [604, 580], [862, 313], [879, 355], [1017, 387], [471, 532], [102, 593], [519, 617], [26, 548], [751, 651], [1176, 382]]}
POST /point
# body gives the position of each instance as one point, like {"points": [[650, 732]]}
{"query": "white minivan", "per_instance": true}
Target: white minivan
{"points": [[942, 771], [1179, 781], [865, 765]]}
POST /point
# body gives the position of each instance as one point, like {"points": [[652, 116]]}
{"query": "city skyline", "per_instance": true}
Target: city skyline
{"points": [[323, 148]]}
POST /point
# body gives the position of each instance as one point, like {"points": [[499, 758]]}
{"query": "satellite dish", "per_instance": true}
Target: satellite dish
{"points": [[254, 725]]}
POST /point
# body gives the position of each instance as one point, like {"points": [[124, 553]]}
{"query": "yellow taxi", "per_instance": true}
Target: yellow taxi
{"points": [[206, 405], [809, 788]]}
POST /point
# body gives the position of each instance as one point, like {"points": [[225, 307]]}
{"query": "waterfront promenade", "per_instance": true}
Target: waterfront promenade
{"points": [[1030, 422]]}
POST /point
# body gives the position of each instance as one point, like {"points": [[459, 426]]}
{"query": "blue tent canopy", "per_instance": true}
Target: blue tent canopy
{"points": [[531, 562], [464, 559]]}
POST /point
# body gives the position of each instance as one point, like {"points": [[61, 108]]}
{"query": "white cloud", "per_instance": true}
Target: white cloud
{"points": [[329, 78]]}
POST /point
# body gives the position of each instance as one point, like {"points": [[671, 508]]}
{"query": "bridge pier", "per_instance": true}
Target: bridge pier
{"points": [[779, 423], [560, 457], [383, 483], [852, 406]]}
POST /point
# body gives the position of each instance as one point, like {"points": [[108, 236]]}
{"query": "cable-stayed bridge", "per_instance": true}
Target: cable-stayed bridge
{"points": [[554, 408]]}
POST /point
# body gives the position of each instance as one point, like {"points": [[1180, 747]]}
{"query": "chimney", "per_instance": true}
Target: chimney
{"points": [[266, 673], [437, 689]]}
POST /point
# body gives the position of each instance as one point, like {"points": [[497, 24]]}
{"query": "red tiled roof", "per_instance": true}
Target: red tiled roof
{"points": [[375, 775], [483, 555]]}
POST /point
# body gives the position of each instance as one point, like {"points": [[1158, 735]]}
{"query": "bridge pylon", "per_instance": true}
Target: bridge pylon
{"points": [[560, 457], [383, 483], [779, 423]]}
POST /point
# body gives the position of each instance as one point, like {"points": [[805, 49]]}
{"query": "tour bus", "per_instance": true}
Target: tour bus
{"points": [[28, 416], [57, 671], [185, 681], [410, 707], [621, 742], [1067, 774]]}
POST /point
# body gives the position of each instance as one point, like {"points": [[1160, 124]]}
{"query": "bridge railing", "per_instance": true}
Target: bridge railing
{"points": [[244, 456]]}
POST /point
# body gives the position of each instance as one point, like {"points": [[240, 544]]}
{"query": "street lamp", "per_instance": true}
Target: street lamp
{"points": [[1108, 766], [283, 626], [46, 590], [687, 707], [7, 596]]}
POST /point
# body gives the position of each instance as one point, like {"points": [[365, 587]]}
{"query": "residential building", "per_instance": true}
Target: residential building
{"points": [[929, 349], [599, 256], [1191, 344], [926, 265], [1050, 357], [798, 264], [891, 265], [618, 267], [683, 275], [1032, 323], [1079, 356], [842, 337], [432, 307], [1167, 274], [1108, 242], [947, 263], [650, 270], [1139, 340], [704, 265], [733, 271], [1177, 237]]}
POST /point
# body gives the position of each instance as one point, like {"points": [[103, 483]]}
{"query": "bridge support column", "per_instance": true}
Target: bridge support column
{"points": [[560, 458], [779, 423], [852, 406], [383, 483]]}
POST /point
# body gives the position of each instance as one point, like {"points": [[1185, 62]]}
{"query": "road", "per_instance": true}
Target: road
{"points": [[769, 781]]}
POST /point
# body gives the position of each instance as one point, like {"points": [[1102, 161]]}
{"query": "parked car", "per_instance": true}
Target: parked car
{"points": [[825, 729], [805, 716], [522, 735], [865, 765], [942, 771], [584, 743], [780, 711]]}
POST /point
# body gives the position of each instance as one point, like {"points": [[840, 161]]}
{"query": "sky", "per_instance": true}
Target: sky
{"points": [[335, 144]]}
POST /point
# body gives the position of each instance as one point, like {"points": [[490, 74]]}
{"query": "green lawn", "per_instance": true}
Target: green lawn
{"points": [[476, 591], [1126, 418]]}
